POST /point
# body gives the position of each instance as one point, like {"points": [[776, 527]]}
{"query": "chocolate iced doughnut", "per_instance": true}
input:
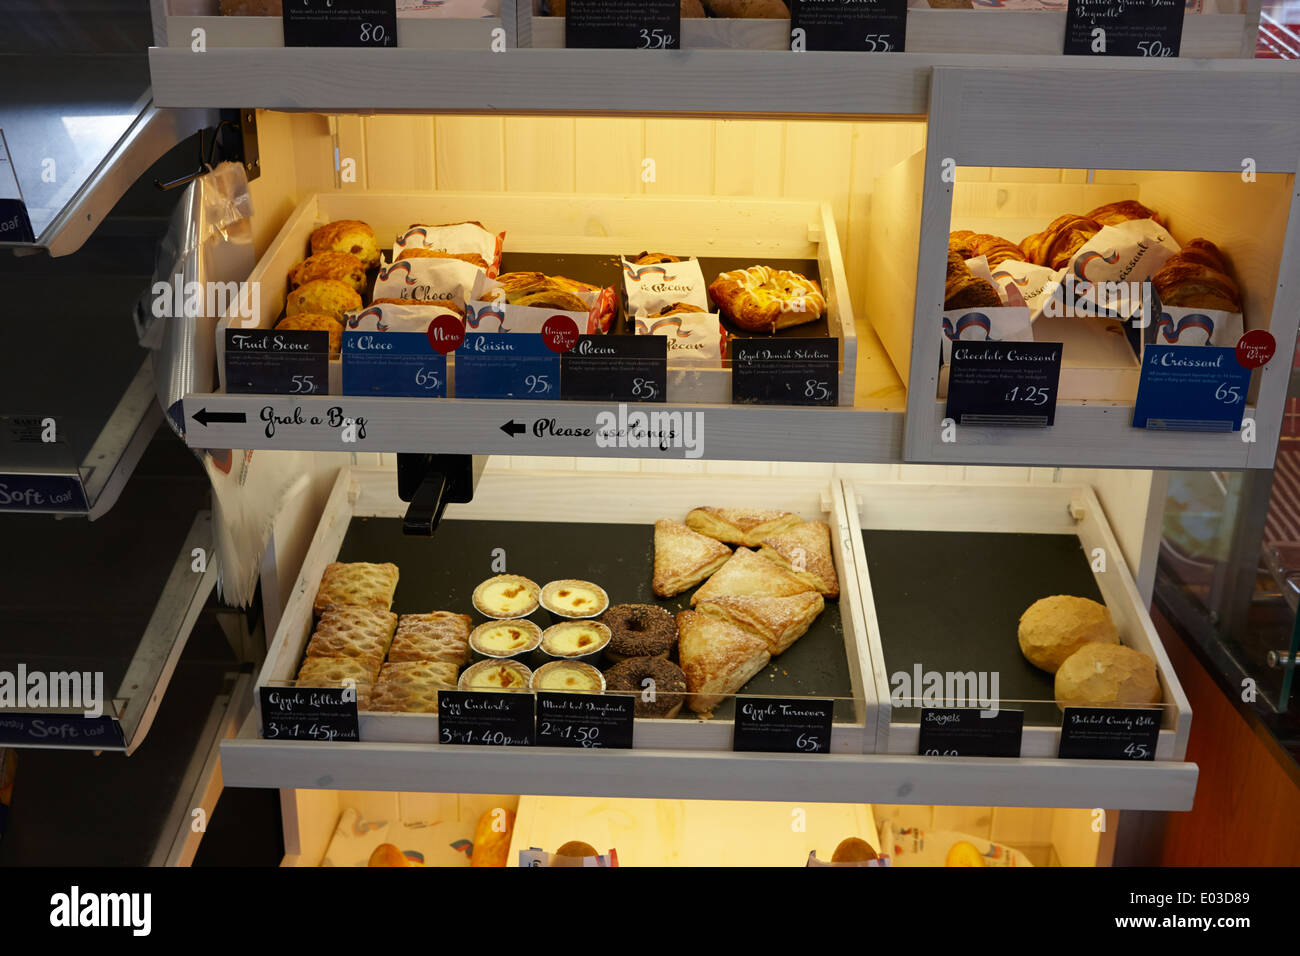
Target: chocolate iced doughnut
{"points": [[669, 684], [639, 630]]}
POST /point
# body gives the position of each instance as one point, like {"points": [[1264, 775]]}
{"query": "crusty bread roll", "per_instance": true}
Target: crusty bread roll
{"points": [[1107, 675], [1053, 628]]}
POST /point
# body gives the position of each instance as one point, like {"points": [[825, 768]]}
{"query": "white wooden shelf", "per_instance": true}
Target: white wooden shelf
{"points": [[248, 761], [606, 81]]}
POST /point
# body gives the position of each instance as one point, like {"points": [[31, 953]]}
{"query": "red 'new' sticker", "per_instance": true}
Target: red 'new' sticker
{"points": [[560, 333], [1255, 348], [446, 333]]}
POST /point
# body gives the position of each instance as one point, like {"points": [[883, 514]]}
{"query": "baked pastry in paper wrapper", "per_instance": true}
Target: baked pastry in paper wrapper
{"points": [[457, 238], [452, 280], [391, 317], [489, 310]]}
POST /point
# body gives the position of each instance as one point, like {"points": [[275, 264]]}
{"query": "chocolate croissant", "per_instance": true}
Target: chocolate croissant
{"points": [[962, 241], [996, 249], [965, 290], [1113, 213]]}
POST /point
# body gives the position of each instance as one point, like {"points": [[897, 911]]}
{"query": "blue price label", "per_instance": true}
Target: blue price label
{"points": [[1191, 388], [394, 364], [507, 365]]}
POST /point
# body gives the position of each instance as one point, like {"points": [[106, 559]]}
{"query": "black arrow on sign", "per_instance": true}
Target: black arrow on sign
{"points": [[513, 428], [203, 416]]}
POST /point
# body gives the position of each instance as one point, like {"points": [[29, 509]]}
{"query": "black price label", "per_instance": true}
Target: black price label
{"points": [[791, 725], [785, 371], [967, 732], [1149, 28], [277, 362], [873, 26], [623, 24], [363, 23], [485, 718], [1003, 383], [594, 721], [1109, 733], [616, 368], [309, 713]]}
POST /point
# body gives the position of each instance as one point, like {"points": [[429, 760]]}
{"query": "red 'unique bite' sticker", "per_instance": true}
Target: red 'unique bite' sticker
{"points": [[1255, 348], [560, 333], [446, 333]]}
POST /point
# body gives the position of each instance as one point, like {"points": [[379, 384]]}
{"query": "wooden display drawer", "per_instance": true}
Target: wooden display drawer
{"points": [[988, 31], [585, 237], [597, 527], [946, 570], [414, 30]]}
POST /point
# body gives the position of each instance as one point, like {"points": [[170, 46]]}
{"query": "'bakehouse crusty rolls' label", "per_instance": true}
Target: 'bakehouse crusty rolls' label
{"points": [[655, 287]]}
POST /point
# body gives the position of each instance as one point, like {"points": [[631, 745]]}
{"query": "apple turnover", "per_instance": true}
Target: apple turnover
{"points": [[717, 657], [746, 573], [683, 558], [747, 526], [805, 551], [778, 621]]}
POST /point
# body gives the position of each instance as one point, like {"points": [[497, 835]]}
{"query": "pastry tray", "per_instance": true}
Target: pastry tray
{"points": [[553, 234], [944, 573], [597, 527]]}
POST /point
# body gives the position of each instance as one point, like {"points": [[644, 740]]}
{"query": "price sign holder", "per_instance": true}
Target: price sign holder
{"points": [[1004, 383], [356, 23], [309, 713], [592, 721], [623, 24], [66, 730], [395, 364], [784, 371], [872, 26], [1145, 28], [1109, 733], [15, 224], [485, 718], [1191, 388], [42, 493], [616, 368], [790, 725], [277, 362], [970, 732], [507, 365]]}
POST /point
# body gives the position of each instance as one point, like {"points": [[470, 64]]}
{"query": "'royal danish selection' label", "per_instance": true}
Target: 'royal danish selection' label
{"points": [[1191, 388], [1003, 383], [785, 371]]}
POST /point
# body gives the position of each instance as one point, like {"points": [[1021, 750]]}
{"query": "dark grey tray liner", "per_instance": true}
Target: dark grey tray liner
{"points": [[952, 600], [606, 271], [440, 574]]}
